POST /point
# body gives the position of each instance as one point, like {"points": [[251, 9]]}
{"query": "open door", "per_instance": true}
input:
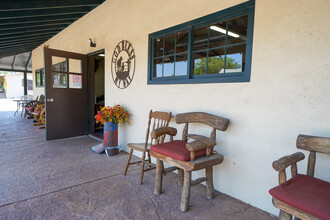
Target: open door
{"points": [[66, 94]]}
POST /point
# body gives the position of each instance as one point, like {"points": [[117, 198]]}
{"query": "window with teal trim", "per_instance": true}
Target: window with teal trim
{"points": [[40, 78], [212, 49]]}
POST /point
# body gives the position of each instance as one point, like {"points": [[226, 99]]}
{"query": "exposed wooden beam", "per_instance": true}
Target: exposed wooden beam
{"points": [[28, 35], [32, 30], [14, 61], [14, 70], [35, 25], [23, 42], [29, 61], [27, 39], [43, 13], [19, 46], [38, 4], [40, 20]]}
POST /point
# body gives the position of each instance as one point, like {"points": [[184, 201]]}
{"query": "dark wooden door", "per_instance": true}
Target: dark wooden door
{"points": [[66, 94]]}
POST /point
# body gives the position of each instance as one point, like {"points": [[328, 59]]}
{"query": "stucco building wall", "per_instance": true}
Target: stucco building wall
{"points": [[288, 94]]}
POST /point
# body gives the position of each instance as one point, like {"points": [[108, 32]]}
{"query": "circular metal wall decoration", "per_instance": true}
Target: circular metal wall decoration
{"points": [[123, 64]]}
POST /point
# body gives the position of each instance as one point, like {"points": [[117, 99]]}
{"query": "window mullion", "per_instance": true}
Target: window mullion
{"points": [[163, 64], [174, 54], [225, 61], [189, 51]]}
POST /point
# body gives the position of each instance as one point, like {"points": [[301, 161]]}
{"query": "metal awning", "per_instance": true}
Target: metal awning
{"points": [[24, 25]]}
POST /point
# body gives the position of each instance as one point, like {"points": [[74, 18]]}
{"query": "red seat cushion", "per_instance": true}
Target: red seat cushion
{"points": [[28, 109], [306, 193], [37, 112], [176, 150]]}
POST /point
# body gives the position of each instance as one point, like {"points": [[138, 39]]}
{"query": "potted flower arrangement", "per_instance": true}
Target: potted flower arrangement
{"points": [[111, 118]]}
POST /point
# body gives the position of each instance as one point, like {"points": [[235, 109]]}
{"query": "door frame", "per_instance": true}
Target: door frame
{"points": [[91, 88]]}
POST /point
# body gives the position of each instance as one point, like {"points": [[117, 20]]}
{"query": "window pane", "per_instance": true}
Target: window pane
{"points": [[181, 41], [158, 67], [168, 66], [237, 30], [158, 47], [200, 38], [38, 78], [59, 64], [75, 66], [75, 81], [169, 44], [235, 59], [181, 65], [216, 61], [59, 80], [217, 35], [200, 62]]}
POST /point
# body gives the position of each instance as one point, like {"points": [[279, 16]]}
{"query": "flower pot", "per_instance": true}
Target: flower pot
{"points": [[110, 138]]}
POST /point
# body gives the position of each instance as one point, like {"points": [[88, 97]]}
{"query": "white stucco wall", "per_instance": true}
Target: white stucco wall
{"points": [[15, 89], [288, 94]]}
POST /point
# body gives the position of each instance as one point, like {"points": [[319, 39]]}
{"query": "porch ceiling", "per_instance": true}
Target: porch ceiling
{"points": [[24, 25]]}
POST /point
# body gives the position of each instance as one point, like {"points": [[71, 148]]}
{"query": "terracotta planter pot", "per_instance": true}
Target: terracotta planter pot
{"points": [[110, 139]]}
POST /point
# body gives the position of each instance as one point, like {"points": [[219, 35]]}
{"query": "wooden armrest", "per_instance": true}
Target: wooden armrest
{"points": [[201, 144], [197, 136], [284, 162], [163, 130]]}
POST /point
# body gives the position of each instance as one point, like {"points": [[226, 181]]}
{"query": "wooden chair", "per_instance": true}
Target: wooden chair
{"points": [[39, 115], [31, 106], [156, 120], [187, 156], [302, 196]]}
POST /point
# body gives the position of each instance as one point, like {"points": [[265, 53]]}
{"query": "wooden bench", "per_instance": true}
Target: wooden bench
{"points": [[187, 156], [302, 196]]}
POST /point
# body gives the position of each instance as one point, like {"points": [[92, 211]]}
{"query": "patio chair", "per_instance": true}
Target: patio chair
{"points": [[187, 156], [156, 120], [302, 196], [39, 115], [31, 106]]}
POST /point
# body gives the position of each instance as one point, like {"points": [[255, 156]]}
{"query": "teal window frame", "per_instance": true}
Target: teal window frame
{"points": [[41, 74], [189, 78]]}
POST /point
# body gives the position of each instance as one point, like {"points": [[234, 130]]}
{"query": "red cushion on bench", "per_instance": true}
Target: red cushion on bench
{"points": [[306, 193], [176, 150], [28, 109]]}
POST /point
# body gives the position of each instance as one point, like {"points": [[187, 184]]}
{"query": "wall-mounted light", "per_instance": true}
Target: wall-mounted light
{"points": [[92, 44]]}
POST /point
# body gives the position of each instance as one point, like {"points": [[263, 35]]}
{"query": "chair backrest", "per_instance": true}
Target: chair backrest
{"points": [[157, 120], [313, 144], [216, 122], [41, 98]]}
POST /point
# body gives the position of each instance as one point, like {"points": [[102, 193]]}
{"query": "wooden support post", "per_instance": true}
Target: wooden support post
{"points": [[159, 177], [209, 182], [285, 216], [128, 161], [185, 196], [311, 163], [142, 167], [281, 176], [180, 176], [25, 83]]}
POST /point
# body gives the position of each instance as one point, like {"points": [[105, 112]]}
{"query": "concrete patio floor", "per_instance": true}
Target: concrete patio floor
{"points": [[63, 179]]}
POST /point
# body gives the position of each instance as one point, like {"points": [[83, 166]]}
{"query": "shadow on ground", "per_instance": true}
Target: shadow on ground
{"points": [[63, 179]]}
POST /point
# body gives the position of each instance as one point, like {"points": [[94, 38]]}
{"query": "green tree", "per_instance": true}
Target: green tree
{"points": [[215, 64]]}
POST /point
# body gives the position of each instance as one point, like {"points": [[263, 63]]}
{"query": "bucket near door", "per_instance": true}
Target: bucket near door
{"points": [[110, 139]]}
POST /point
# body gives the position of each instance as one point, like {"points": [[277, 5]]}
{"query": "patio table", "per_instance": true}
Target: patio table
{"points": [[21, 104]]}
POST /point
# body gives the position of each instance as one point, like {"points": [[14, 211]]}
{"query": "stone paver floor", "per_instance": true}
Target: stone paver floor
{"points": [[63, 179]]}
